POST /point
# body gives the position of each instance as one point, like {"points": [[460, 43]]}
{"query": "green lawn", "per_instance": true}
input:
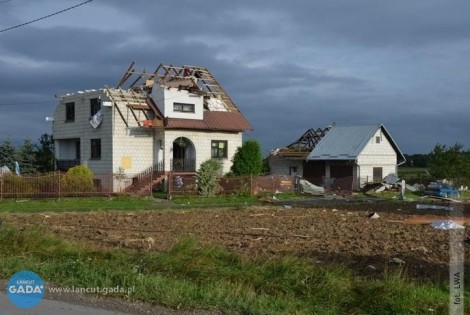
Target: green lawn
{"points": [[414, 174], [132, 203]]}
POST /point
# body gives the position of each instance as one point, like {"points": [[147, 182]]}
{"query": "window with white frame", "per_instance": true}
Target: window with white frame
{"points": [[183, 107]]}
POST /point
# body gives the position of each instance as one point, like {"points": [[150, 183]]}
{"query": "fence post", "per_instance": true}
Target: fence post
{"points": [[1, 188], [251, 184], [169, 185], [151, 182], [59, 184]]}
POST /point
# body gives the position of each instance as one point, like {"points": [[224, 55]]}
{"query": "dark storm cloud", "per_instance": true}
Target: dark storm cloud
{"points": [[289, 66]]}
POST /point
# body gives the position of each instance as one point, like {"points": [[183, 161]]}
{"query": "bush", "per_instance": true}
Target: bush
{"points": [[247, 160], [17, 186], [207, 177], [78, 179]]}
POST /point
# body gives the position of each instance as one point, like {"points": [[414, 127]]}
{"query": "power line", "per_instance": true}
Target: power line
{"points": [[44, 17]]}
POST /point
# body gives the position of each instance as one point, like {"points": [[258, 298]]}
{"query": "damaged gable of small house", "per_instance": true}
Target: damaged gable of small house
{"points": [[290, 160], [344, 158]]}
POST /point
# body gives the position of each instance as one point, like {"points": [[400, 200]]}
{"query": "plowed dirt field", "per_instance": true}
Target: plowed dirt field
{"points": [[325, 235]]}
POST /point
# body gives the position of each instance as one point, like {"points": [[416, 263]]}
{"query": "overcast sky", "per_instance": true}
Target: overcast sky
{"points": [[288, 65]]}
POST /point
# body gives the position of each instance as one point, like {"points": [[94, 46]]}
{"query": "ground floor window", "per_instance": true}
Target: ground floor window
{"points": [[95, 149], [377, 174], [292, 170], [219, 149]]}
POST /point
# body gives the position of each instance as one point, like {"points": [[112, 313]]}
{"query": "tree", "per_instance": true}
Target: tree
{"points": [[27, 157], [449, 162], [247, 159], [207, 177], [45, 158], [7, 154]]}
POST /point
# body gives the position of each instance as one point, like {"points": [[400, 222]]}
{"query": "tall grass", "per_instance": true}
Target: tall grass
{"points": [[194, 276]]}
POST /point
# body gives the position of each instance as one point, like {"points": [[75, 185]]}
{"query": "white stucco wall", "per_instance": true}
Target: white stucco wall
{"points": [[164, 98], [376, 155], [202, 143]]}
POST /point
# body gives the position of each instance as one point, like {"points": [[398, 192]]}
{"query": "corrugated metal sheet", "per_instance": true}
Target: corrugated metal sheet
{"points": [[347, 142], [220, 121]]}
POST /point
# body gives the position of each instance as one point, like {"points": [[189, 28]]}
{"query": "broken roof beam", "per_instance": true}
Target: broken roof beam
{"points": [[110, 95], [127, 75]]}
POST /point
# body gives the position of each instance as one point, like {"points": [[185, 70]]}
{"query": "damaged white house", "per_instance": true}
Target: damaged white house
{"points": [[172, 119], [342, 157]]}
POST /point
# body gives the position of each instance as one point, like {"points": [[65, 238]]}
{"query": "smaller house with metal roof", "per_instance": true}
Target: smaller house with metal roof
{"points": [[346, 157]]}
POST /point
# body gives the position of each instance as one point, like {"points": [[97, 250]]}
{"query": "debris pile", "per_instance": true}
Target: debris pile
{"points": [[446, 225]]}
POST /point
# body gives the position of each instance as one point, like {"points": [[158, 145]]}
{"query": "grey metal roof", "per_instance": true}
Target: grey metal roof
{"points": [[347, 142]]}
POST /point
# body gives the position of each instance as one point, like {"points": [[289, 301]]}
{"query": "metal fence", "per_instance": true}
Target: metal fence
{"points": [[58, 185], [181, 184], [54, 185]]}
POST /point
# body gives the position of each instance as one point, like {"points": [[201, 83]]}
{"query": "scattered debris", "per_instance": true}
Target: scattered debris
{"points": [[150, 242], [309, 188], [446, 225], [391, 179], [287, 207], [423, 250], [397, 261], [374, 215], [260, 228], [4, 170], [442, 189], [433, 207], [371, 267]]}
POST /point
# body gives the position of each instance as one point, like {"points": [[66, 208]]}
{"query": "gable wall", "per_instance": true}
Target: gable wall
{"points": [[376, 155], [81, 129]]}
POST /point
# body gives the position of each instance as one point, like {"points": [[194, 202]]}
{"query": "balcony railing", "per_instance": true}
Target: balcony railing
{"points": [[64, 165], [183, 165]]}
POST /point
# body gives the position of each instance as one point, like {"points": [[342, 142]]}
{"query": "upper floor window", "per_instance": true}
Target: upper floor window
{"points": [[95, 106], [377, 139], [218, 149], [183, 107], [70, 111], [95, 148]]}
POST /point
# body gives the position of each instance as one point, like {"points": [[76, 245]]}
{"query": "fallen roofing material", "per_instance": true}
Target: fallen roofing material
{"points": [[309, 188], [446, 225]]}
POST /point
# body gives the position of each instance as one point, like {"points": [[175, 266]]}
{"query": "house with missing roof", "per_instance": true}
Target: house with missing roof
{"points": [[172, 119], [340, 157]]}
